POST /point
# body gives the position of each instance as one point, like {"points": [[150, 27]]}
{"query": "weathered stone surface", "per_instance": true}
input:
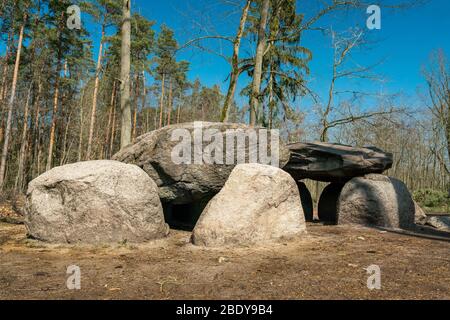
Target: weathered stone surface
{"points": [[327, 207], [184, 183], [94, 202], [376, 200], [440, 223], [307, 203], [334, 162], [258, 203], [420, 217]]}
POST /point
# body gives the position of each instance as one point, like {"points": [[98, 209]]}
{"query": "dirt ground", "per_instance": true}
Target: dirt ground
{"points": [[328, 263]]}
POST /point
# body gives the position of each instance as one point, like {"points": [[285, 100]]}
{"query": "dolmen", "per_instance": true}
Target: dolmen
{"points": [[184, 176], [358, 192], [187, 184]]}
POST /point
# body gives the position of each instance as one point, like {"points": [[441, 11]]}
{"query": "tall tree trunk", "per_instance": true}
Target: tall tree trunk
{"points": [[325, 124], [170, 103], [5, 68], [113, 131], [144, 97], [147, 120], [5, 73], [4, 90], [110, 115], [161, 102], [54, 116], [125, 105], [136, 107], [80, 136], [447, 125], [18, 185], [36, 129], [271, 101], [235, 64], [55, 99], [40, 148], [10, 107], [62, 161], [257, 73], [94, 98], [178, 113]]}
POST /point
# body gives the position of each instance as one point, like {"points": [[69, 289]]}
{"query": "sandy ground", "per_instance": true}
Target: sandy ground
{"points": [[328, 263]]}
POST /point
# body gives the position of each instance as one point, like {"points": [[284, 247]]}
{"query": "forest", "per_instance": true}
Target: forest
{"points": [[68, 95]]}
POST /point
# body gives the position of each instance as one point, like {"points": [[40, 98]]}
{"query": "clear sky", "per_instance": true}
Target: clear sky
{"points": [[404, 43]]}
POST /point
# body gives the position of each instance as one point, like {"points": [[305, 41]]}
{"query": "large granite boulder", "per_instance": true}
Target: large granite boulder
{"points": [[182, 183], [329, 162], [376, 200], [94, 202], [441, 223], [258, 204], [420, 217]]}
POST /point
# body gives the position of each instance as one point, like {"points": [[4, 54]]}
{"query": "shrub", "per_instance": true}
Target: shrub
{"points": [[432, 198]]}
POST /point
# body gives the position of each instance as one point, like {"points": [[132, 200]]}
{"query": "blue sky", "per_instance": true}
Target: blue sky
{"points": [[405, 41]]}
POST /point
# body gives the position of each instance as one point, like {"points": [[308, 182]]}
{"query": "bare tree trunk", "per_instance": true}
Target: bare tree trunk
{"points": [[113, 131], [39, 151], [125, 105], [55, 99], [5, 69], [94, 98], [170, 103], [5, 73], [161, 103], [36, 129], [110, 114], [447, 127], [257, 73], [147, 120], [18, 185], [80, 136], [271, 101], [325, 124], [144, 96], [136, 107], [178, 113], [10, 107], [62, 161], [54, 115], [235, 64]]}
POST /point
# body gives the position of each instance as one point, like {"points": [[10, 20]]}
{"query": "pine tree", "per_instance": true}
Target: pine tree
{"points": [[284, 63], [167, 68], [106, 13], [21, 9], [125, 103], [66, 46]]}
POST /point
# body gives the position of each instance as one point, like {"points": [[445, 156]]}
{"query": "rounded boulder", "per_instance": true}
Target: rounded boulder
{"points": [[94, 202], [258, 204]]}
